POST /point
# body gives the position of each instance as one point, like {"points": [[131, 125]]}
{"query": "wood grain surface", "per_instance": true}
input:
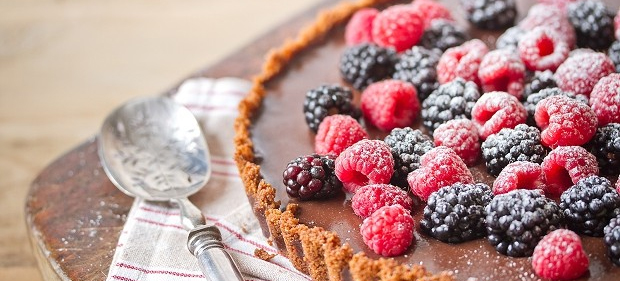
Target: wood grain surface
{"points": [[63, 66]]}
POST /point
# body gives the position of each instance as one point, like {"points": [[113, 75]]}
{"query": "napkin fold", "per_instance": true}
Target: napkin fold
{"points": [[153, 243]]}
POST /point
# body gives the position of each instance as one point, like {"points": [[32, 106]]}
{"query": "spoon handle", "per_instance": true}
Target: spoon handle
{"points": [[205, 242]]}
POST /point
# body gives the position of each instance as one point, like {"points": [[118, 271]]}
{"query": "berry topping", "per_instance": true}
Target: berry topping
{"points": [[581, 70], [328, 100], [372, 197], [461, 61], [495, 111], [336, 133], [407, 146], [490, 14], [364, 64], [593, 24], [517, 220], [511, 145], [539, 81], [564, 121], [550, 16], [398, 26], [542, 49], [614, 54], [431, 10], [439, 167], [589, 205], [388, 231], [533, 100], [519, 175], [365, 162], [612, 239], [502, 70], [389, 104], [453, 100], [605, 145], [359, 27], [418, 67], [311, 177], [605, 99], [455, 213], [462, 136], [443, 34], [560, 256], [565, 166], [510, 38]]}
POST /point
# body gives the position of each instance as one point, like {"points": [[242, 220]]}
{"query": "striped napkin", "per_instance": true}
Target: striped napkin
{"points": [[152, 245]]}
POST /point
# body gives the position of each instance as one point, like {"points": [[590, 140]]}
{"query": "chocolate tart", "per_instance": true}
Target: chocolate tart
{"points": [[321, 238]]}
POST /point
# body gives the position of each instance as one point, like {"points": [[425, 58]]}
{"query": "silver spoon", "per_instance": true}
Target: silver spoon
{"points": [[154, 149]]}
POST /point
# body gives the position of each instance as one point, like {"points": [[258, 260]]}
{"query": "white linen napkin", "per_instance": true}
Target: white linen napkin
{"points": [[153, 243]]}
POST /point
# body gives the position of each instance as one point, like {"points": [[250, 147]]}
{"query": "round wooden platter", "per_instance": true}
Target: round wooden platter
{"points": [[75, 214]]}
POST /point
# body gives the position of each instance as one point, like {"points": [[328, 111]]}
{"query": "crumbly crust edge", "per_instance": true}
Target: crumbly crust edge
{"points": [[312, 250]]}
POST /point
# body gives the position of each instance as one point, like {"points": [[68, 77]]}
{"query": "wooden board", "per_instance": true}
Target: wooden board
{"points": [[75, 214]]}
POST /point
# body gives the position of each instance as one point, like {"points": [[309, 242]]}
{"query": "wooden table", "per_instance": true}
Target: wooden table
{"points": [[75, 215]]}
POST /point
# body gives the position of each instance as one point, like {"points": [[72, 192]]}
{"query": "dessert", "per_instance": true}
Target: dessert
{"points": [[322, 238]]}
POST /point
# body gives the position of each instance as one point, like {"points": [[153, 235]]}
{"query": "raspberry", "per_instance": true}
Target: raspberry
{"points": [[589, 205], [328, 100], [581, 70], [542, 49], [359, 27], [510, 38], [398, 26], [388, 231], [372, 197], [533, 100], [453, 100], [407, 146], [336, 133], [431, 10], [462, 136], [418, 67], [565, 166], [462, 61], [605, 99], [539, 81], [439, 167], [564, 121], [311, 177], [550, 16], [517, 220], [605, 145], [365, 162], [560, 256], [612, 239], [502, 70], [490, 14], [593, 24], [495, 111], [443, 34], [389, 104], [614, 54], [364, 64], [455, 213], [510, 145], [519, 175]]}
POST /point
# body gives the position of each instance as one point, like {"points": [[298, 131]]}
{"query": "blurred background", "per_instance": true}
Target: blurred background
{"points": [[65, 64]]}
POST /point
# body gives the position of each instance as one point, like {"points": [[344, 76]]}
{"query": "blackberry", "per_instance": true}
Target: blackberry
{"points": [[614, 54], [453, 100], [612, 239], [328, 100], [593, 23], [510, 145], [364, 64], [443, 34], [605, 145], [533, 99], [456, 214], [311, 177], [540, 80], [490, 14], [517, 220], [418, 67], [510, 38], [407, 146], [589, 205]]}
